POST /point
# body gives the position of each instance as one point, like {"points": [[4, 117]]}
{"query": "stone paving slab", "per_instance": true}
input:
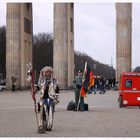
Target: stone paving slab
{"points": [[104, 118]]}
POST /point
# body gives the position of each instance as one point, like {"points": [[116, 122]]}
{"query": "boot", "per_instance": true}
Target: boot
{"points": [[41, 130]]}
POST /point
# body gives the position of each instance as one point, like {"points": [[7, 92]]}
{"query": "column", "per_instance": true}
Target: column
{"points": [[13, 44], [18, 41], [63, 49], [123, 38], [26, 41]]}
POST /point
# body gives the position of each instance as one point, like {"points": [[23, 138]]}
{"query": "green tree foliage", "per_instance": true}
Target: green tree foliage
{"points": [[3, 51]]}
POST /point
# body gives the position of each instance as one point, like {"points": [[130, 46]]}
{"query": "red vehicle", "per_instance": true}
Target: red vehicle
{"points": [[129, 94]]}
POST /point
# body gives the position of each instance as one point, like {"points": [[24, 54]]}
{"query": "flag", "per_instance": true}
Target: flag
{"points": [[88, 80]]}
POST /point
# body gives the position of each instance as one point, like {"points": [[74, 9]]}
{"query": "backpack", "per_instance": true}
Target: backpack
{"points": [[71, 105]]}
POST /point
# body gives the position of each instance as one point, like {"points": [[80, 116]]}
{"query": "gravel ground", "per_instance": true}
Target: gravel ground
{"points": [[104, 118]]}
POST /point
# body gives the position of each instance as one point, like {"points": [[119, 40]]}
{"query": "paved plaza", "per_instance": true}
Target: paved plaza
{"points": [[104, 118]]}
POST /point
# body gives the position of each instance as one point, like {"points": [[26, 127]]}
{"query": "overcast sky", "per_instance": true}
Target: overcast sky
{"points": [[94, 28]]}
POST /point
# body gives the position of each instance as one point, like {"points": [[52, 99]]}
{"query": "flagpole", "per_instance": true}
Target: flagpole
{"points": [[83, 79]]}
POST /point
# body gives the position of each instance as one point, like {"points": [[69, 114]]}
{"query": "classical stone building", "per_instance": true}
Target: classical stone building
{"points": [[19, 41]]}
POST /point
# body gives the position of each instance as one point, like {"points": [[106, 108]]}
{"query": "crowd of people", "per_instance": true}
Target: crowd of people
{"points": [[102, 84]]}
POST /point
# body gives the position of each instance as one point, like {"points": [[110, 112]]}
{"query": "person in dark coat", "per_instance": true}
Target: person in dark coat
{"points": [[79, 101]]}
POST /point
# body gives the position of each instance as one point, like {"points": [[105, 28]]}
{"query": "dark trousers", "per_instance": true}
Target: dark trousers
{"points": [[81, 102], [13, 87]]}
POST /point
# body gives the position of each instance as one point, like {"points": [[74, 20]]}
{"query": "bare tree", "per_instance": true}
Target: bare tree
{"points": [[97, 67], [42, 51], [3, 51], [43, 55]]}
